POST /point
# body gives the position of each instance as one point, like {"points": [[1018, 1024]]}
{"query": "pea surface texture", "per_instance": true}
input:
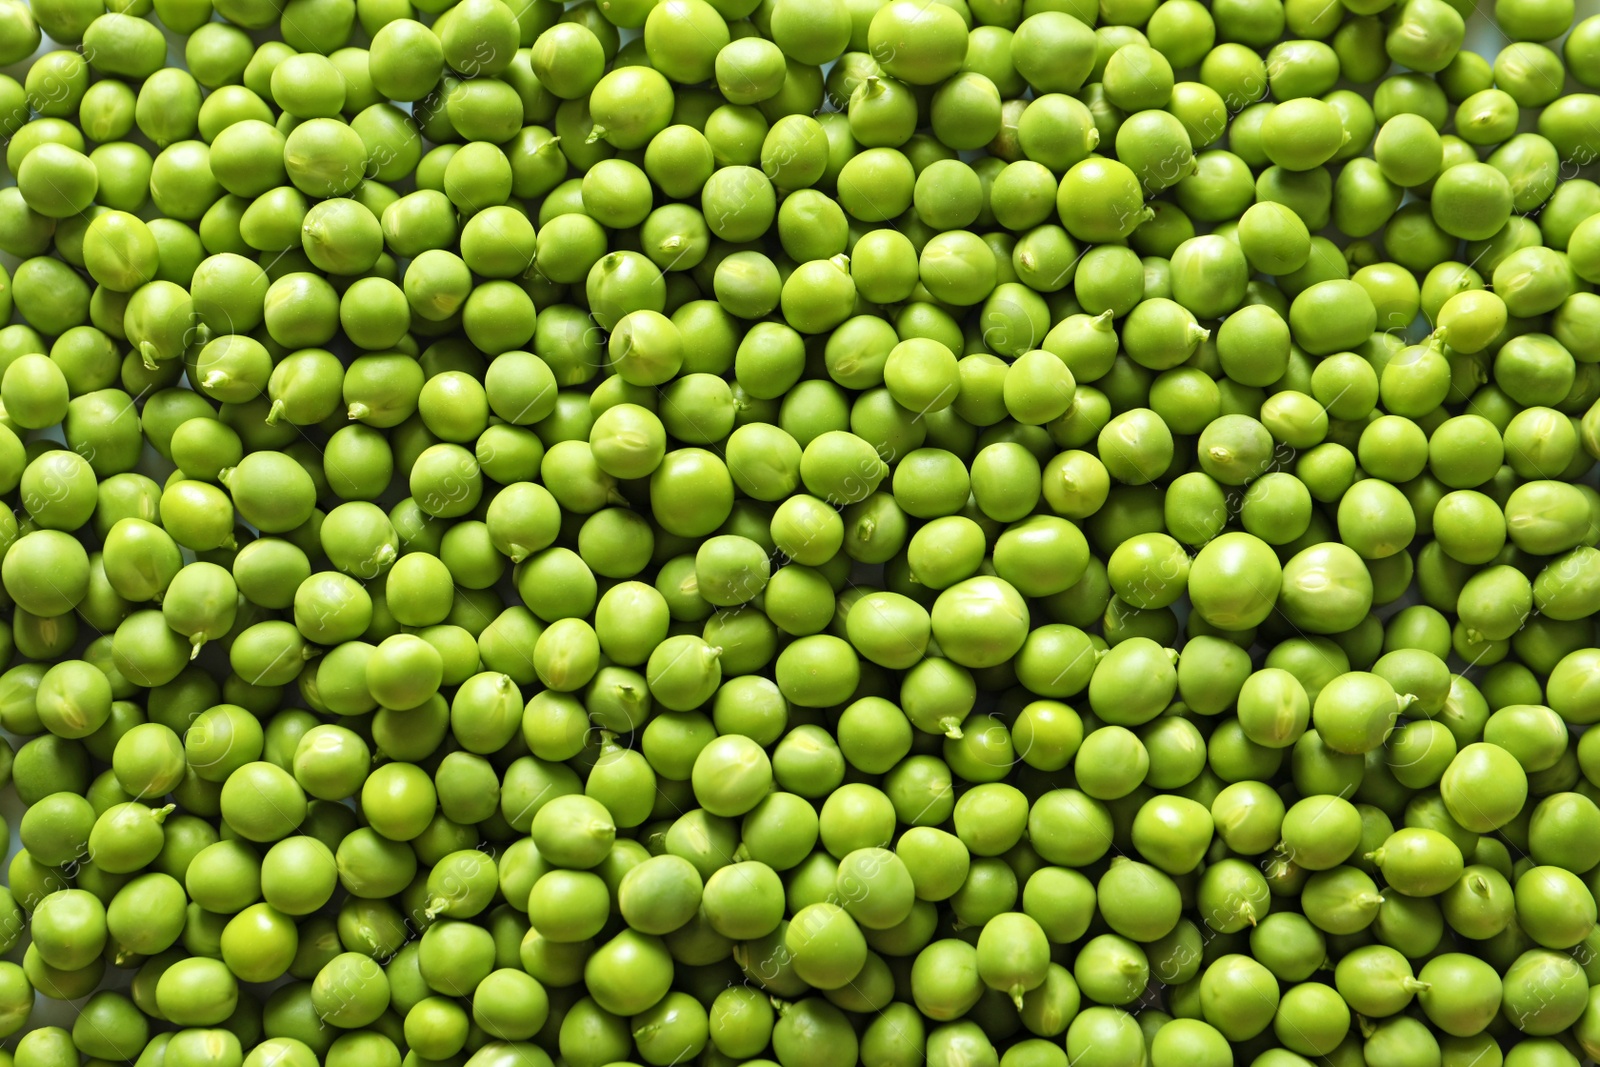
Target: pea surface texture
{"points": [[802, 533]]}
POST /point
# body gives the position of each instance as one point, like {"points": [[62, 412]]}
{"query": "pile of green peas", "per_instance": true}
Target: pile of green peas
{"points": [[635, 533]]}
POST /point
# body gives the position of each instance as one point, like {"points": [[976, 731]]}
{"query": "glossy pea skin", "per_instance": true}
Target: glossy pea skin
{"points": [[697, 512]]}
